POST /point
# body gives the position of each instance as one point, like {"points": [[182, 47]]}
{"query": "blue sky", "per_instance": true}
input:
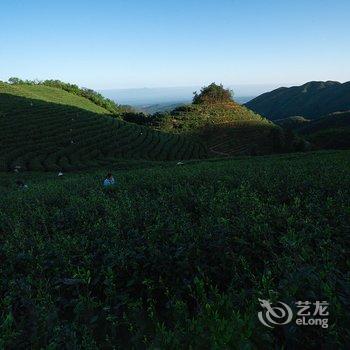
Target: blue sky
{"points": [[155, 43]]}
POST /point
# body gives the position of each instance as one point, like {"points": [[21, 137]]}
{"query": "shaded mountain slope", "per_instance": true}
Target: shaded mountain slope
{"points": [[292, 122], [311, 100], [333, 120], [329, 132]]}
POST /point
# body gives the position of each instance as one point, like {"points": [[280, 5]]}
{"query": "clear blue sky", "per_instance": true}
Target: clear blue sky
{"points": [[149, 43]]}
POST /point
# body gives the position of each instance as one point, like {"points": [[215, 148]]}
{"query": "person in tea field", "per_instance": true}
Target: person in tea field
{"points": [[109, 180], [21, 185]]}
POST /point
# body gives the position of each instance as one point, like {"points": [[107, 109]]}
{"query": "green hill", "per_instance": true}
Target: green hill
{"points": [[311, 100], [226, 127], [329, 132], [292, 122], [333, 120], [47, 128], [44, 94]]}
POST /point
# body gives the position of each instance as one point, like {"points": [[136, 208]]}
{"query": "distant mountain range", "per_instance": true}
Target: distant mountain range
{"points": [[169, 106], [311, 100], [144, 97]]}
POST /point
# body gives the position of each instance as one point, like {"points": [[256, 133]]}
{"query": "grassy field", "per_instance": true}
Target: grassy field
{"points": [[45, 94], [176, 256], [48, 129]]}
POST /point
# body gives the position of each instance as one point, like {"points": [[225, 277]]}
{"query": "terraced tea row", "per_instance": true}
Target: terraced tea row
{"points": [[39, 135], [36, 93], [241, 138], [227, 129]]}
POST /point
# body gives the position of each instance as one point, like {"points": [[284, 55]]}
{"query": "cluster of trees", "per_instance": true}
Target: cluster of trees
{"points": [[90, 94], [141, 118], [213, 94]]}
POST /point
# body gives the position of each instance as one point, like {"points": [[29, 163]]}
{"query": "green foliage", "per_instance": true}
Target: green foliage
{"points": [[196, 118], [336, 120], [89, 94], [176, 257], [328, 132], [226, 128], [213, 94], [16, 81], [45, 128], [140, 118]]}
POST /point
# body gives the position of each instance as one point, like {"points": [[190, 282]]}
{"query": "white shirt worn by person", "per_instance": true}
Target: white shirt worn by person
{"points": [[108, 182]]}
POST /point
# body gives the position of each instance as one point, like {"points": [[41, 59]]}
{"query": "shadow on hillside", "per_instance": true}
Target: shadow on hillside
{"points": [[243, 138], [39, 135], [30, 128], [10, 103]]}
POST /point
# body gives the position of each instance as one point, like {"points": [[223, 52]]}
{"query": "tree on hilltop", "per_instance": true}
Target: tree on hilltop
{"points": [[15, 81], [213, 94]]}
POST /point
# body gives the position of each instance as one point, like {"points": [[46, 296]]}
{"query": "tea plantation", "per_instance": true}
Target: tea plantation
{"points": [[227, 129], [176, 256], [45, 128]]}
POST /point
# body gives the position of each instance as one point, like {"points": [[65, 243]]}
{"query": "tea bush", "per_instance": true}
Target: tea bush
{"points": [[176, 256]]}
